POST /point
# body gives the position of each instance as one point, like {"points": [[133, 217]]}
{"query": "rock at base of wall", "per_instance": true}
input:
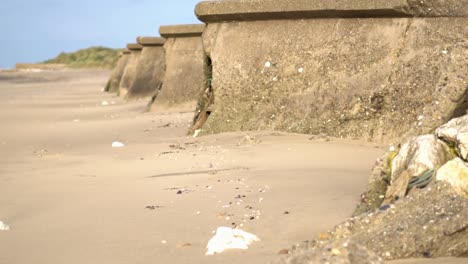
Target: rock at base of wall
{"points": [[455, 172], [417, 157], [342, 252], [430, 222], [456, 133]]}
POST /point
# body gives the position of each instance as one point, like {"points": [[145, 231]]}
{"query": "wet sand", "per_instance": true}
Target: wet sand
{"points": [[69, 197]]}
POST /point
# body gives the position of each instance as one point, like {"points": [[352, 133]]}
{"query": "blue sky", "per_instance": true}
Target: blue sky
{"points": [[36, 30]]}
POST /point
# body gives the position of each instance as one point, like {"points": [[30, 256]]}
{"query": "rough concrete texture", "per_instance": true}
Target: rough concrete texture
{"points": [[372, 78], [430, 222], [149, 72], [129, 72], [117, 73], [241, 10], [184, 78]]}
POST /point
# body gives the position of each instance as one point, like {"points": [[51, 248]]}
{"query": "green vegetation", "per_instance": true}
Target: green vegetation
{"points": [[93, 57]]}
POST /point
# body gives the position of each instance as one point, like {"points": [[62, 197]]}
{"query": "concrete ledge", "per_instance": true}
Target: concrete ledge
{"points": [[245, 10], [133, 46], [151, 41], [192, 30]]}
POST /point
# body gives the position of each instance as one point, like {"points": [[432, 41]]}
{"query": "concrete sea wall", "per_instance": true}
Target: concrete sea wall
{"points": [[184, 77], [351, 69], [149, 72], [130, 69], [117, 73]]}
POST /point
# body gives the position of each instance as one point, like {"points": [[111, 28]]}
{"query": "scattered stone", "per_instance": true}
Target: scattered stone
{"points": [[184, 245], [176, 146], [152, 207], [4, 227], [167, 152], [166, 125], [117, 144]]}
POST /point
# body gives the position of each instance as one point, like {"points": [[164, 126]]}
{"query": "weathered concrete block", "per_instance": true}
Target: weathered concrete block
{"points": [[149, 72], [184, 78], [130, 69], [347, 76], [116, 75]]}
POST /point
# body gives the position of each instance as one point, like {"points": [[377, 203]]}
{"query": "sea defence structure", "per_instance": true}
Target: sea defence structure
{"points": [[116, 75], [130, 69], [354, 69], [185, 77], [149, 72]]}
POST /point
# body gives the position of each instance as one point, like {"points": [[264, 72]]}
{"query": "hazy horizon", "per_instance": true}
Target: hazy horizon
{"points": [[35, 31]]}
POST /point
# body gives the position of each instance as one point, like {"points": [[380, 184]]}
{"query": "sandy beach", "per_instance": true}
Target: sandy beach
{"points": [[70, 197]]}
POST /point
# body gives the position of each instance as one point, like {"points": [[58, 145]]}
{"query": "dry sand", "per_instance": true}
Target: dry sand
{"points": [[69, 197]]}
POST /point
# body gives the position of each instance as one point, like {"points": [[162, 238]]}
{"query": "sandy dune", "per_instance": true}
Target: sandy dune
{"points": [[69, 197]]}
